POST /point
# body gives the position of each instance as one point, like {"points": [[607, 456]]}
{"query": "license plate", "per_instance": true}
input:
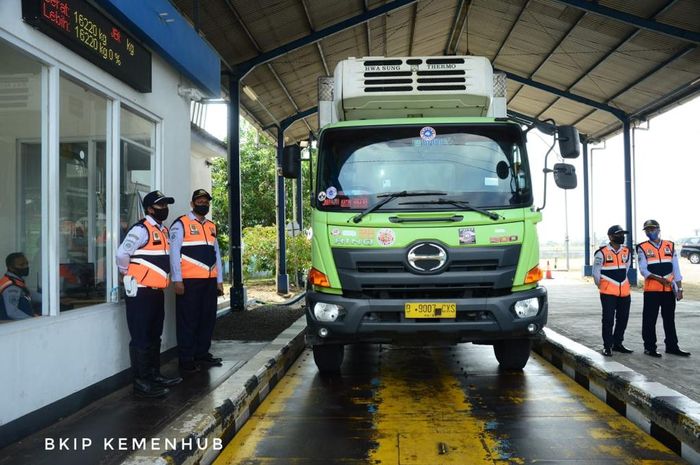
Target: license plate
{"points": [[430, 310]]}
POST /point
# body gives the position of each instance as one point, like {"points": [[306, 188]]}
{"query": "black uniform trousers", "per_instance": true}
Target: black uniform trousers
{"points": [[144, 317], [196, 316], [650, 313], [616, 313]]}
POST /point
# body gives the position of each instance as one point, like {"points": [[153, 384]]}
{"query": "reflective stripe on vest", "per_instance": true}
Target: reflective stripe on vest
{"points": [[150, 264], [198, 255], [25, 301], [613, 272], [659, 262]]}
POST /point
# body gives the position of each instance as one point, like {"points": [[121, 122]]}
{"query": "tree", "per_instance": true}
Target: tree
{"points": [[257, 183]]}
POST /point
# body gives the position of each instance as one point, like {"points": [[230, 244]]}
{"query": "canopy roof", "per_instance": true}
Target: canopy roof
{"points": [[578, 62]]}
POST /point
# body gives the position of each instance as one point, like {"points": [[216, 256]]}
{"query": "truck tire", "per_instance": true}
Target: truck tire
{"points": [[512, 354], [329, 357]]}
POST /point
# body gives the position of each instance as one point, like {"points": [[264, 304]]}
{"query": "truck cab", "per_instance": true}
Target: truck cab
{"points": [[424, 229]]}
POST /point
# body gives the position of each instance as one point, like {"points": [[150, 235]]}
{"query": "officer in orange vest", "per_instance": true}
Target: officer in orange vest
{"points": [[663, 285], [142, 259], [195, 264], [16, 300], [610, 267]]}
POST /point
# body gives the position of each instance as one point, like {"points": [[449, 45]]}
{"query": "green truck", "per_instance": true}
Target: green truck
{"points": [[424, 229]]}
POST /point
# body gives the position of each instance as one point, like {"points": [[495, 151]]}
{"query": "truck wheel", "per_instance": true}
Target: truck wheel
{"points": [[512, 354], [328, 358], [694, 258]]}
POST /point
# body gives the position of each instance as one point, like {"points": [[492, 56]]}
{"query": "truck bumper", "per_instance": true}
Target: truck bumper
{"points": [[480, 320]]}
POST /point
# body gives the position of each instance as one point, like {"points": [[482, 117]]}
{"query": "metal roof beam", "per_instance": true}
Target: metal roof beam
{"points": [[642, 23], [458, 23], [244, 68], [679, 54], [232, 7], [680, 93], [369, 31], [646, 75], [624, 41], [318, 44], [291, 119], [284, 88], [465, 24], [562, 93], [550, 54], [512, 27], [413, 29]]}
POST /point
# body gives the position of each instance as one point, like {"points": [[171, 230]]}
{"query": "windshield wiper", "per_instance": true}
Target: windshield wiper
{"points": [[457, 203], [389, 196]]}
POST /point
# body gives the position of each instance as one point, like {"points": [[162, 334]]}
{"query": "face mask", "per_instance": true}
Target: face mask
{"points": [[22, 272], [160, 214], [201, 209], [653, 235], [618, 239]]}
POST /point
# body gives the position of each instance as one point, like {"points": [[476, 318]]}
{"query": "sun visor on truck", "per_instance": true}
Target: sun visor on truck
{"points": [[376, 87]]}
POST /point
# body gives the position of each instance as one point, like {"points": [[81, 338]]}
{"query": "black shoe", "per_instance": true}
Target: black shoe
{"points": [[188, 366], [607, 352], [622, 349], [210, 360], [678, 351], [147, 388], [165, 381], [652, 353]]}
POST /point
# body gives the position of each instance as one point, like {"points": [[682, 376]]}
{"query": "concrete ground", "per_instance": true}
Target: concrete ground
{"points": [[575, 312]]}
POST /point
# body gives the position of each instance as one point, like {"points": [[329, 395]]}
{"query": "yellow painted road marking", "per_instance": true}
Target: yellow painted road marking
{"points": [[427, 420], [416, 408], [244, 443], [618, 425]]}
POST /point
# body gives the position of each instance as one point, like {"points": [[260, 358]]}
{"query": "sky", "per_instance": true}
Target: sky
{"points": [[666, 178], [667, 175]]}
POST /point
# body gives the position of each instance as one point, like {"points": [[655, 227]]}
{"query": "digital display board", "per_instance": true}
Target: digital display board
{"points": [[86, 31]]}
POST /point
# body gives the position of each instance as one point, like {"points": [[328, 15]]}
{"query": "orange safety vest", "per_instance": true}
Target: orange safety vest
{"points": [[198, 255], [150, 264], [25, 301], [659, 262], [613, 272]]}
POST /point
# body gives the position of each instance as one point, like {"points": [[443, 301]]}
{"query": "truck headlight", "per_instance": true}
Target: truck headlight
{"points": [[527, 308], [327, 312]]}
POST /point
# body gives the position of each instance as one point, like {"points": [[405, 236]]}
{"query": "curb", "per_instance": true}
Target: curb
{"points": [[666, 415], [218, 416]]}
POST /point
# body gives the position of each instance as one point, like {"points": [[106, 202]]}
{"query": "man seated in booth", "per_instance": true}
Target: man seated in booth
{"points": [[17, 302]]}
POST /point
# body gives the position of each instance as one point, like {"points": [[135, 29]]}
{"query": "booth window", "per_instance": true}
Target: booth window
{"points": [[82, 196], [20, 156], [137, 149]]}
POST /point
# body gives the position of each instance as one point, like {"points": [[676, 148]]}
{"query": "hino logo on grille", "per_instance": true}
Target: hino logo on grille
{"points": [[427, 257]]}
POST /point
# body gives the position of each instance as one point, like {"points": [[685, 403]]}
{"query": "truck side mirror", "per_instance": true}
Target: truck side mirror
{"points": [[291, 161], [569, 142], [565, 175]]}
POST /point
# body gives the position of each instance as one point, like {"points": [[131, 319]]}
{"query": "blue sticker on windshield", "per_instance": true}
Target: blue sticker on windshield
{"points": [[331, 192], [427, 133]]}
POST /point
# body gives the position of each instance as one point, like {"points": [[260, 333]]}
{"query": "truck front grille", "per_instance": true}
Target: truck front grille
{"points": [[385, 273]]}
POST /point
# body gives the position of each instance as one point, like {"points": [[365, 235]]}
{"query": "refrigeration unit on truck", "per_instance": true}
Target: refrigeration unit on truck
{"points": [[424, 226]]}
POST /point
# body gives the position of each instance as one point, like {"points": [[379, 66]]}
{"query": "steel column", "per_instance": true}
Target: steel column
{"points": [[235, 257], [626, 133], [282, 277], [299, 199], [587, 268]]}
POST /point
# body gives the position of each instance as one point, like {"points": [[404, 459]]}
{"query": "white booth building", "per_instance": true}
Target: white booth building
{"points": [[82, 138]]}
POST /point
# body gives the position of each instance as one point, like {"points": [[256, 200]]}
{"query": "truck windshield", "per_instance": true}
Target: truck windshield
{"points": [[484, 165]]}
